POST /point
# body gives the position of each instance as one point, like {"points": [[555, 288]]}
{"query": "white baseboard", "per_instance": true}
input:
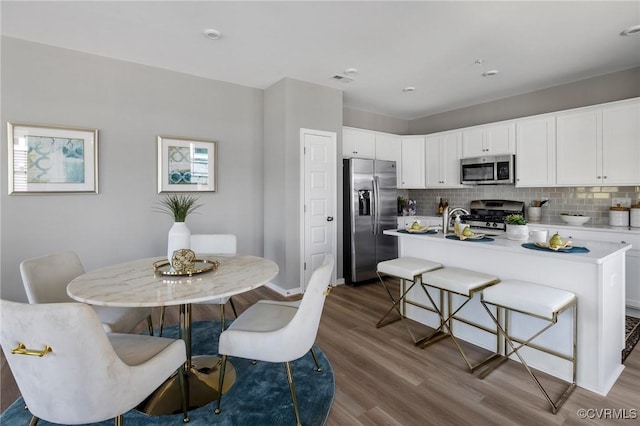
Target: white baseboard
{"points": [[282, 291]]}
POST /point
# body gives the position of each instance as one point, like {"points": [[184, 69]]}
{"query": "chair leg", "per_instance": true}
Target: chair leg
{"points": [[223, 365], [183, 395], [118, 421], [34, 421], [161, 319], [315, 359], [233, 307], [292, 388], [150, 325], [221, 317]]}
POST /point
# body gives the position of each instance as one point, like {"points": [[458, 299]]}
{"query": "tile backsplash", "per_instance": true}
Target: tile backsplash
{"points": [[591, 201]]}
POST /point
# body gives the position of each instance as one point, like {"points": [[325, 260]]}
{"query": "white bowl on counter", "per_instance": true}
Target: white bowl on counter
{"points": [[575, 220]]}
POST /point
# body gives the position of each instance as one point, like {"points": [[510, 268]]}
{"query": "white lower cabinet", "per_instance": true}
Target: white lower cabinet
{"points": [[632, 278]]}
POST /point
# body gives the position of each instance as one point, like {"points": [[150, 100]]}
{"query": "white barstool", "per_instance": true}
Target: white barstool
{"points": [[405, 269], [538, 301], [465, 283]]}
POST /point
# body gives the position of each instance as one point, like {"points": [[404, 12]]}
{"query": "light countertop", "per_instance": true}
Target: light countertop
{"points": [[598, 251]]}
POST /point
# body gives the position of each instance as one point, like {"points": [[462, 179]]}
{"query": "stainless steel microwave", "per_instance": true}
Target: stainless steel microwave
{"points": [[489, 170]]}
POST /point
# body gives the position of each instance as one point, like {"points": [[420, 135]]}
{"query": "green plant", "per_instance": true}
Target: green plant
{"points": [[178, 206], [515, 219]]}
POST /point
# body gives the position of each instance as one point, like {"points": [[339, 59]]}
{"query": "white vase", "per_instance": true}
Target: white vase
{"points": [[179, 238], [518, 232]]}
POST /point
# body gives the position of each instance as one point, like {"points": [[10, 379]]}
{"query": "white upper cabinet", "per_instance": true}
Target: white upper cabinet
{"points": [[358, 143], [536, 151], [621, 144], [443, 152], [389, 147], [413, 163], [599, 146], [490, 139]]}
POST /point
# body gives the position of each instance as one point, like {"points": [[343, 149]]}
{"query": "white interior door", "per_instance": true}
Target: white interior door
{"points": [[319, 199]]}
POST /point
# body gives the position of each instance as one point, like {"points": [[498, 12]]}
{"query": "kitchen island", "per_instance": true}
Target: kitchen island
{"points": [[597, 278]]}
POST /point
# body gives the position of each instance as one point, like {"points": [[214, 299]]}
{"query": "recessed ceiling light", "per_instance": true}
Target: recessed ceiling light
{"points": [[212, 34], [409, 89], [490, 73], [350, 71], [631, 31]]}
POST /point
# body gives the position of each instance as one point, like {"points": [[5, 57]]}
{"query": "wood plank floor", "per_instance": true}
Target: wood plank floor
{"points": [[382, 379]]}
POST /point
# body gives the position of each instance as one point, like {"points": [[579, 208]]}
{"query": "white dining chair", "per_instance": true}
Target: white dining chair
{"points": [[69, 371], [45, 280], [273, 332], [212, 244]]}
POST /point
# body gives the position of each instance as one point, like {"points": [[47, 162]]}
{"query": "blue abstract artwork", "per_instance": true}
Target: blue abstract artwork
{"points": [[55, 160], [188, 165]]}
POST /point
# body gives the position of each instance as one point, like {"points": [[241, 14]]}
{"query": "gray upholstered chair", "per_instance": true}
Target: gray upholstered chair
{"points": [[274, 332], [69, 371], [45, 280], [212, 244]]}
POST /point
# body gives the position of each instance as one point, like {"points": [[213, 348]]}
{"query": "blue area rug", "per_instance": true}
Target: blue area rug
{"points": [[259, 396]]}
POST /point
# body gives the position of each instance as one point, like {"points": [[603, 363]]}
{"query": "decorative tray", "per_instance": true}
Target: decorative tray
{"points": [[566, 249], [163, 267], [473, 238], [423, 230]]}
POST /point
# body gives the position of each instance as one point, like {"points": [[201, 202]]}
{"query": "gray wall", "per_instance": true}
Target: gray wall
{"points": [[289, 106], [130, 105], [606, 88], [372, 121]]}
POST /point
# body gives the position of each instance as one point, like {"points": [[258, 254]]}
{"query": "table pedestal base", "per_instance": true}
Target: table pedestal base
{"points": [[202, 387]]}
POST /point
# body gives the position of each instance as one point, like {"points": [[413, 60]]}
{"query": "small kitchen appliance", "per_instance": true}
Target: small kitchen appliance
{"points": [[490, 214], [619, 216]]}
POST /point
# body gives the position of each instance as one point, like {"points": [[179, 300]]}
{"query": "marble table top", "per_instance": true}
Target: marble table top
{"points": [[134, 283]]}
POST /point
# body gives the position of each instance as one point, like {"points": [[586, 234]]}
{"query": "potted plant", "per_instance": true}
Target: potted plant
{"points": [[517, 228], [178, 206], [402, 204]]}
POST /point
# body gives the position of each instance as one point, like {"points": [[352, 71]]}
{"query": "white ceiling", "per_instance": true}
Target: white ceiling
{"points": [[431, 45]]}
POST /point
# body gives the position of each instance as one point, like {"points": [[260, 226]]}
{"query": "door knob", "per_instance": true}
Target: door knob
{"points": [[329, 218]]}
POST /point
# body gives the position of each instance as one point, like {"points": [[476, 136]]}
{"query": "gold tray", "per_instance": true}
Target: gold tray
{"points": [[163, 267]]}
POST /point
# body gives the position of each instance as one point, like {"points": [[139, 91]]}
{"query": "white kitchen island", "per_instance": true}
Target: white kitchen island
{"points": [[597, 278]]}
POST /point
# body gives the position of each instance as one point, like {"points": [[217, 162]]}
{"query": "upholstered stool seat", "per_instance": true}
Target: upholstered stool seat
{"points": [[463, 282], [538, 301], [405, 269]]}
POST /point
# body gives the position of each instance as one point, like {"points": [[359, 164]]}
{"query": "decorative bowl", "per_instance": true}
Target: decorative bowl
{"points": [[575, 219]]}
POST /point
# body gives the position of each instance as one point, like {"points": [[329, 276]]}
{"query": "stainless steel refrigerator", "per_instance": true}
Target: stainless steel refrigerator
{"points": [[370, 207]]}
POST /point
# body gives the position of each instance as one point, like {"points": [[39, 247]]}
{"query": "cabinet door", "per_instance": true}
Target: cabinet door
{"points": [[535, 152], [578, 142], [389, 147], [433, 160], [473, 142], [621, 144], [358, 143], [413, 167], [451, 147], [500, 139]]}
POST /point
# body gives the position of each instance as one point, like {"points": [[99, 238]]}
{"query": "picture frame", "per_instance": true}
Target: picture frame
{"points": [[52, 159], [186, 165]]}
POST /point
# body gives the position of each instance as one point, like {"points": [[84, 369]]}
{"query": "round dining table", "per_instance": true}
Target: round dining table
{"points": [[151, 283]]}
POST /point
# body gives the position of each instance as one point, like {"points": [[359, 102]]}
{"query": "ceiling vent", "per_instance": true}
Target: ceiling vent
{"points": [[342, 78]]}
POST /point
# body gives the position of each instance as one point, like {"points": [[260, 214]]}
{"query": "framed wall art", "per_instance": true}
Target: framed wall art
{"points": [[186, 165], [49, 159]]}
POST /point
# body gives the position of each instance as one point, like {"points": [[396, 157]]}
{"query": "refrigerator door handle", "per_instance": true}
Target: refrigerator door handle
{"points": [[376, 204]]}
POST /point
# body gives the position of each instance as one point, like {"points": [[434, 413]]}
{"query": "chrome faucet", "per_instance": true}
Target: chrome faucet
{"points": [[446, 217]]}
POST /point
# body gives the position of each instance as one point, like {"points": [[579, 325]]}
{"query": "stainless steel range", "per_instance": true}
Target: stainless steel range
{"points": [[490, 214]]}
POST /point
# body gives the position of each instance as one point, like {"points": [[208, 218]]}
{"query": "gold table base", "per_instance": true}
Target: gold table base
{"points": [[202, 387]]}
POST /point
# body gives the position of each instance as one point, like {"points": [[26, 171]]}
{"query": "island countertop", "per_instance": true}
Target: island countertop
{"points": [[597, 278], [598, 251]]}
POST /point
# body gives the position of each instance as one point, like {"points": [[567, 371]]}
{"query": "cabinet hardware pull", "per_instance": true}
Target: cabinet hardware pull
{"points": [[21, 349]]}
